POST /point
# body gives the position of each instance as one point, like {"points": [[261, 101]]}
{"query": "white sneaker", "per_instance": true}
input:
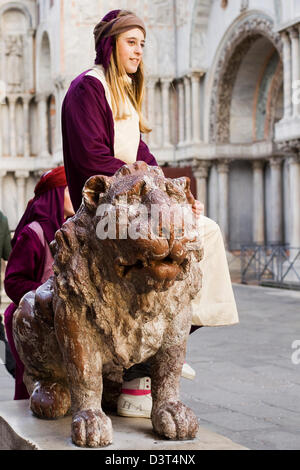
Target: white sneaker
{"points": [[135, 400], [188, 372]]}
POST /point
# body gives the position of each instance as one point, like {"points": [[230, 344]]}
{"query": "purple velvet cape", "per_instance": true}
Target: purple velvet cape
{"points": [[23, 273], [88, 136], [26, 263]]}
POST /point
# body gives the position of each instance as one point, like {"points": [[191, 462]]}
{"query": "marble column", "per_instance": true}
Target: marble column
{"points": [[59, 95], [188, 124], [294, 33], [180, 113], [21, 177], [294, 168], [43, 125], [287, 82], [200, 171], [151, 109], [276, 200], [165, 83], [26, 125], [223, 180], [195, 79], [12, 125], [2, 175], [258, 202]]}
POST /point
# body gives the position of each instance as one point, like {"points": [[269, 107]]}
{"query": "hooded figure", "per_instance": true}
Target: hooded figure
{"points": [[30, 262]]}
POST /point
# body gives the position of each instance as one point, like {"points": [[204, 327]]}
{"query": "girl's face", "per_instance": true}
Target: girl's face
{"points": [[130, 49]]}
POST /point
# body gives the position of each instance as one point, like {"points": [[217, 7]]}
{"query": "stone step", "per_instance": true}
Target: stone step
{"points": [[20, 430]]}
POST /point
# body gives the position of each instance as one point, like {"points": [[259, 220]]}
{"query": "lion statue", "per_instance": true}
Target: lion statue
{"points": [[114, 301]]}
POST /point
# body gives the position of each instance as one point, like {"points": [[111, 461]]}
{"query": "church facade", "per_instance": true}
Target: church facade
{"points": [[223, 100]]}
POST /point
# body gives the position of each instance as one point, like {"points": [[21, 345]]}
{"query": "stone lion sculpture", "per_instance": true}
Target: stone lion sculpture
{"points": [[112, 303]]}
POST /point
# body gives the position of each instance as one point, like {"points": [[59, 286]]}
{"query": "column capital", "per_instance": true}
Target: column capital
{"points": [[285, 37], [294, 159], [60, 82], [195, 75], [42, 96], [223, 166], [258, 164], [275, 161], [26, 99], [294, 32], [200, 168], [151, 82], [21, 174], [3, 173], [12, 99], [166, 80]]}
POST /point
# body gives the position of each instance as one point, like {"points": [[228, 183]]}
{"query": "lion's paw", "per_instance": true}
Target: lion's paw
{"points": [[174, 420], [91, 428], [50, 400]]}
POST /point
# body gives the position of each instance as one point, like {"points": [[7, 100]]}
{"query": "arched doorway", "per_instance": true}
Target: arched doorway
{"points": [[247, 102]]}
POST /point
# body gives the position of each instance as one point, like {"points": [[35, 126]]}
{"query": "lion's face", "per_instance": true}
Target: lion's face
{"points": [[140, 219]]}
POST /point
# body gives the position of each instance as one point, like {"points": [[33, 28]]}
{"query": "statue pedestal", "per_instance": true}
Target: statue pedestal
{"points": [[20, 430]]}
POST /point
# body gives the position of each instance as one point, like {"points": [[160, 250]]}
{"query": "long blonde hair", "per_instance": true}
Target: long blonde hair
{"points": [[122, 87]]}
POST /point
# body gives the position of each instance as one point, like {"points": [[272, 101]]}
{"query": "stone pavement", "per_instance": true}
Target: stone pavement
{"points": [[247, 388]]}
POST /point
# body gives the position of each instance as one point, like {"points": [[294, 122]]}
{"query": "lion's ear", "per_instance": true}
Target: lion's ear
{"points": [[92, 189], [184, 183]]}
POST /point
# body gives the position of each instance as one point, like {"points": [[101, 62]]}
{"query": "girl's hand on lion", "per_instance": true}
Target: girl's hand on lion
{"points": [[198, 208]]}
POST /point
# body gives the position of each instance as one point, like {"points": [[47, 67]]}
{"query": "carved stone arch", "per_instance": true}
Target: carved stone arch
{"points": [[17, 6], [199, 26], [44, 61], [236, 43]]}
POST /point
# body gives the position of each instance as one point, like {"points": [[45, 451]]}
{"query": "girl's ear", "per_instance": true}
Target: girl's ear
{"points": [[95, 187]]}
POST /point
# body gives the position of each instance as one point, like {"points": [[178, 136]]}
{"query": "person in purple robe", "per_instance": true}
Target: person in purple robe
{"points": [[30, 262], [102, 124]]}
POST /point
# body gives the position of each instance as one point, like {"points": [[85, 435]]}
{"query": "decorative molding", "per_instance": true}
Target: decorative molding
{"points": [[290, 146]]}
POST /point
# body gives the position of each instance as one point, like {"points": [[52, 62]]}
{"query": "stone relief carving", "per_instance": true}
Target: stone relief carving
{"points": [[14, 62], [182, 13], [229, 61], [90, 14], [198, 34], [244, 5], [290, 146], [160, 13]]}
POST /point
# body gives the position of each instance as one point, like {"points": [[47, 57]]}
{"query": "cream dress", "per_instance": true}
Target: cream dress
{"points": [[215, 304]]}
